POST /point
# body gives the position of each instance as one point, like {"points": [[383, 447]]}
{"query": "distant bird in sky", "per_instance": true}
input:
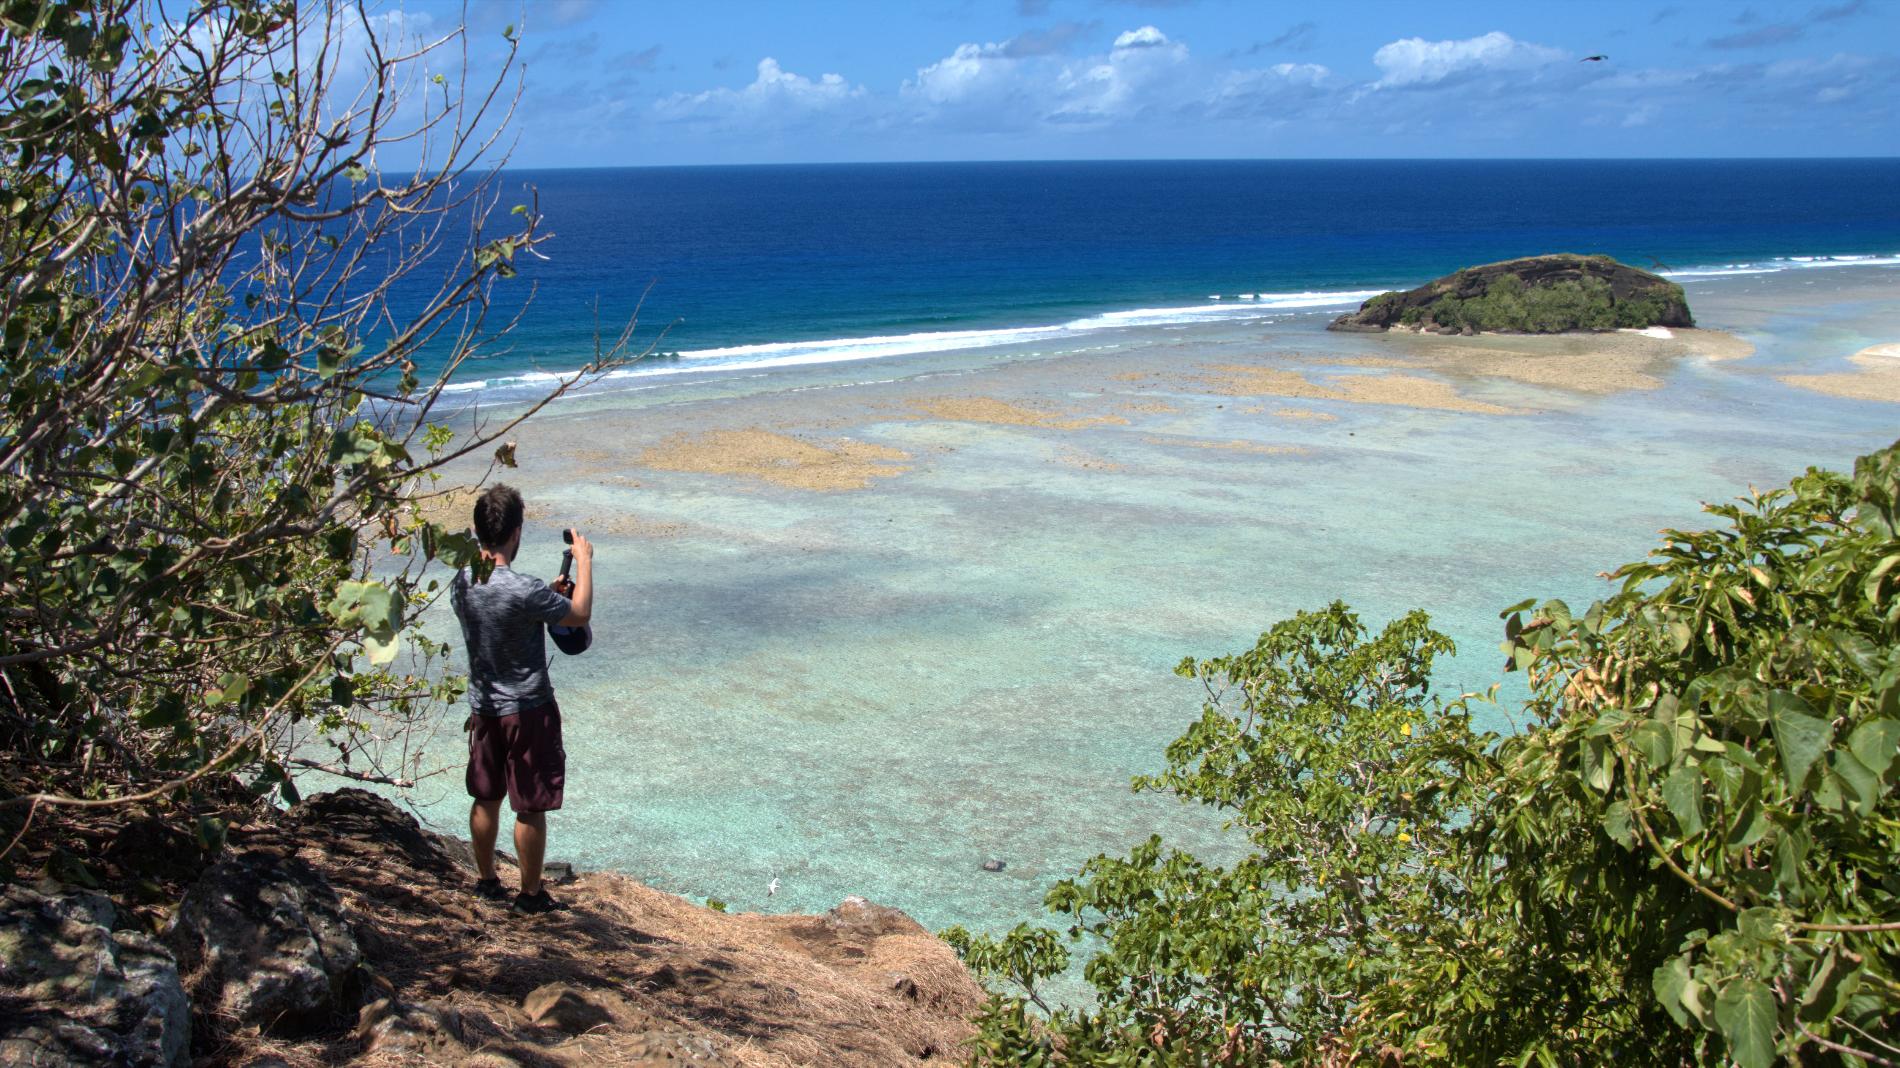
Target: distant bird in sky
{"points": [[1593, 59], [771, 888]]}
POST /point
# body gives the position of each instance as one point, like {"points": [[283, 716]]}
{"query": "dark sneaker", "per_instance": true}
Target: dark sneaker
{"points": [[490, 890], [536, 903]]}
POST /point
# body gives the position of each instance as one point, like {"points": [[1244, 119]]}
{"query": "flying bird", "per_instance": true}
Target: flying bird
{"points": [[1593, 59]]}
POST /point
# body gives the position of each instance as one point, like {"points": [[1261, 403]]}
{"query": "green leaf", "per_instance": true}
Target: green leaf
{"points": [[1618, 825], [1682, 792], [1759, 923], [1745, 1015], [1676, 990], [1790, 850], [1655, 742], [1875, 743], [1862, 782], [1800, 736], [381, 651], [355, 444], [1832, 984], [1598, 771]]}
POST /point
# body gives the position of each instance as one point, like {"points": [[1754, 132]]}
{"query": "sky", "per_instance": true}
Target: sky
{"points": [[625, 83]]}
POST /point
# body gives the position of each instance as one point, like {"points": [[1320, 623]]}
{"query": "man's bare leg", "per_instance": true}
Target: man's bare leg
{"points": [[531, 842], [484, 824]]}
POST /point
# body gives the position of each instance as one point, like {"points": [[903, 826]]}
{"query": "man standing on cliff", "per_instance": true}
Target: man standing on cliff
{"points": [[514, 733]]}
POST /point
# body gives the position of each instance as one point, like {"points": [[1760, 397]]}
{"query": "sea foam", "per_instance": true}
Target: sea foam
{"points": [[775, 354], [1782, 263], [839, 350]]}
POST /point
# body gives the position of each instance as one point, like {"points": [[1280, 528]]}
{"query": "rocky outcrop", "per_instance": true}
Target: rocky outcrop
{"points": [[265, 940], [345, 901], [1536, 294], [75, 992]]}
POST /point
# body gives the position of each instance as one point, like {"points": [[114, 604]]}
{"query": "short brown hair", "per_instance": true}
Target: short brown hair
{"points": [[497, 516]]}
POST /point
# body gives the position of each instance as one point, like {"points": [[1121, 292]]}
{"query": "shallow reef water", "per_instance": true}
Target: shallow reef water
{"points": [[874, 691]]}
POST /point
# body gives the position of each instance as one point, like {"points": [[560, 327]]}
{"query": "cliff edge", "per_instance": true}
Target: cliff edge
{"points": [[341, 932], [1534, 295]]}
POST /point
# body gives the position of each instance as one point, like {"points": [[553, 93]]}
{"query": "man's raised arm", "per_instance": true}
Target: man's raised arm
{"points": [[582, 599]]}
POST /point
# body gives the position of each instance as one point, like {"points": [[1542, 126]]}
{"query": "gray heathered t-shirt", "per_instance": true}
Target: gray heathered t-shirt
{"points": [[503, 625]]}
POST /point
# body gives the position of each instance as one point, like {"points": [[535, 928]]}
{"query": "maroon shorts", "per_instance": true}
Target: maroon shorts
{"points": [[518, 755]]}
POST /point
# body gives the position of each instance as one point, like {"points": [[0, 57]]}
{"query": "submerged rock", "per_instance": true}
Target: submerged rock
{"points": [[76, 992], [993, 864], [1536, 295], [267, 944]]}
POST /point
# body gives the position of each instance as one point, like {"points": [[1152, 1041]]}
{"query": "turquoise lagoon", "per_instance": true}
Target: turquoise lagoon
{"points": [[872, 692]]}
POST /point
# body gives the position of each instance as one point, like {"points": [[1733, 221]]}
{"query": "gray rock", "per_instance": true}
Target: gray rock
{"points": [[857, 918], [266, 941], [430, 1030], [993, 864], [1624, 284], [75, 992]]}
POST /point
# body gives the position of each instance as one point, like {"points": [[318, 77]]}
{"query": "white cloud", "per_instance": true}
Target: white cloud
{"points": [[972, 70], [1277, 92], [1005, 86], [1641, 116], [1146, 37], [1415, 61], [776, 94], [1129, 79]]}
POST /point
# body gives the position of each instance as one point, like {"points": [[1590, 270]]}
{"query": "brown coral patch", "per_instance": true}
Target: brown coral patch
{"points": [[1236, 445], [1876, 376], [780, 459], [1243, 380], [991, 410]]}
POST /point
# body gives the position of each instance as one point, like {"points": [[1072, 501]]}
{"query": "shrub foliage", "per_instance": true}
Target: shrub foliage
{"points": [[1687, 856], [1508, 305], [214, 424]]}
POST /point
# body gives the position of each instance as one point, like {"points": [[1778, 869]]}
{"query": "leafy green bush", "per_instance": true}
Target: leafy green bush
{"points": [[214, 440], [1508, 305], [1688, 856], [1325, 748]]}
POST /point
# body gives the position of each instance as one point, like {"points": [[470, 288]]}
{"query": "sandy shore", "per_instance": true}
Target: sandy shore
{"points": [[1876, 376], [1599, 364]]}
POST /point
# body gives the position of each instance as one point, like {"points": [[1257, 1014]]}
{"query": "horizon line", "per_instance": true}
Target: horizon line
{"points": [[508, 165]]}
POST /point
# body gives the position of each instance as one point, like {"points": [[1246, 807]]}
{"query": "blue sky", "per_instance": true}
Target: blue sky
{"points": [[618, 82]]}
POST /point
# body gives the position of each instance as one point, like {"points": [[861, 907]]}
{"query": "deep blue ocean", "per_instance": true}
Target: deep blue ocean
{"points": [[775, 265]]}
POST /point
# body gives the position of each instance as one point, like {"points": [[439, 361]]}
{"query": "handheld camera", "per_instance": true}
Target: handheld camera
{"points": [[570, 640]]}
